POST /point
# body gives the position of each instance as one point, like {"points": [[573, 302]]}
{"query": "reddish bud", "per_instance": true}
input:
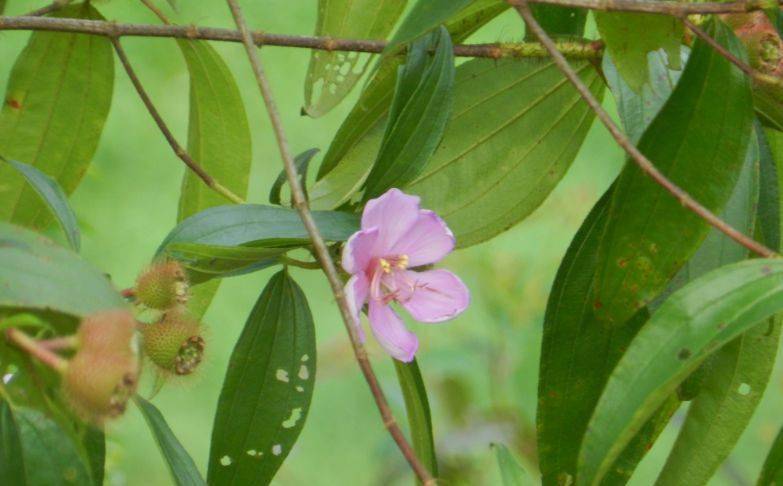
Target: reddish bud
{"points": [[174, 344], [162, 286]]}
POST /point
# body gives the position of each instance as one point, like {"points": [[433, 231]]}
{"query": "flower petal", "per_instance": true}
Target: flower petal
{"points": [[391, 332], [393, 214], [427, 241], [438, 295], [356, 290], [358, 250]]}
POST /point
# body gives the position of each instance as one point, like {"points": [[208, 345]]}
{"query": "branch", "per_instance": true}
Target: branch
{"points": [[664, 7], [322, 252], [636, 156], [572, 49], [178, 149]]}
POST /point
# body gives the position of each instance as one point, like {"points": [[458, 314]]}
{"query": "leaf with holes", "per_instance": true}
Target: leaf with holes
{"points": [[332, 74], [183, 469], [274, 359], [417, 407], [57, 101]]}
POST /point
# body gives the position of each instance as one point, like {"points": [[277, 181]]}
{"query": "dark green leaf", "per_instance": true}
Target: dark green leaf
{"points": [[11, 454], [268, 387], [419, 111], [54, 197], [332, 74], [302, 162], [558, 21], [651, 234], [772, 472], [183, 469], [95, 446], [692, 324], [58, 97], [211, 261], [511, 472], [769, 192], [417, 407], [424, 17], [37, 274]]}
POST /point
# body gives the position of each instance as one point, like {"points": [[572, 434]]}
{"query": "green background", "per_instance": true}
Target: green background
{"points": [[480, 369]]}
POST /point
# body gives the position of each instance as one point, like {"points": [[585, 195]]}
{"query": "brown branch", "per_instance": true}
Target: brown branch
{"points": [[665, 7], [636, 156], [744, 67], [572, 49], [322, 252], [178, 149]]}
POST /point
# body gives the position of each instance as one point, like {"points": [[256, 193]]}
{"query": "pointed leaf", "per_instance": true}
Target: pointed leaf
{"points": [[268, 387], [302, 162], [57, 101], [511, 472], [54, 197], [424, 17], [417, 407]]}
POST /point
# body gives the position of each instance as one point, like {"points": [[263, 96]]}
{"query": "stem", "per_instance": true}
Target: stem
{"points": [[34, 349], [636, 156], [322, 252], [155, 10], [299, 263], [574, 49], [665, 7], [178, 149]]}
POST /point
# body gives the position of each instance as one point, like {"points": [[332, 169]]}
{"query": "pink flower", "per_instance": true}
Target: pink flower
{"points": [[396, 235]]}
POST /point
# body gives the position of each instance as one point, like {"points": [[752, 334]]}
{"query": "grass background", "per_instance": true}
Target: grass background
{"points": [[480, 369]]}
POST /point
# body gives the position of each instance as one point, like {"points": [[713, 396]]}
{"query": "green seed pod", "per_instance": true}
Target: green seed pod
{"points": [[162, 286], [174, 344]]}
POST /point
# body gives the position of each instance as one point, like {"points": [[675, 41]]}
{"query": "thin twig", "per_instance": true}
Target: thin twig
{"points": [[572, 49], [664, 7], [744, 67], [322, 252], [178, 149], [286, 260], [155, 10], [636, 156], [52, 7]]}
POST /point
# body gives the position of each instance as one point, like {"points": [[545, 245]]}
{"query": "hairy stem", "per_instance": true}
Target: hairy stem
{"points": [[322, 252], [664, 7]]}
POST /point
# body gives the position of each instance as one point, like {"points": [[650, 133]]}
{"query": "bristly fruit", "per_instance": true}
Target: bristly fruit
{"points": [[174, 344], [103, 374], [162, 286]]}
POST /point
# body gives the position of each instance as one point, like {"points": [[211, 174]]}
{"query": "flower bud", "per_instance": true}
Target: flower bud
{"points": [[174, 344], [162, 286], [103, 374]]}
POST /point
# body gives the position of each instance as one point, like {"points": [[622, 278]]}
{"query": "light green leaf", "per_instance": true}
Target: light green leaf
{"points": [[419, 111], [183, 469], [417, 407], [37, 274], [332, 75], [54, 197], [511, 472], [56, 103], [629, 37], [268, 387], [692, 324], [772, 471], [651, 234], [422, 18]]}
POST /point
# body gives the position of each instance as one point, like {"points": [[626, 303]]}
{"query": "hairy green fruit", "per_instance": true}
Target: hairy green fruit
{"points": [[174, 344], [162, 286]]}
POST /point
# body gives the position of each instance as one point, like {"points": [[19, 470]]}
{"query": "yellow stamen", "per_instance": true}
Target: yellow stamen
{"points": [[385, 265], [402, 262]]}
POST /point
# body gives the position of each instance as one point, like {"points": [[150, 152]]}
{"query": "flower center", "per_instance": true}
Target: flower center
{"points": [[399, 262], [385, 279]]}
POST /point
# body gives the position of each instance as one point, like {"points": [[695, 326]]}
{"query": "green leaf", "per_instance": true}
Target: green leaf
{"points": [[183, 469], [769, 192], [332, 75], [511, 472], [54, 197], [56, 103], [651, 234], [558, 21], [692, 324], [213, 261], [772, 471], [638, 109], [50, 456], [425, 16], [419, 111], [302, 162], [629, 37], [274, 359], [94, 442], [417, 407], [37, 274], [11, 454]]}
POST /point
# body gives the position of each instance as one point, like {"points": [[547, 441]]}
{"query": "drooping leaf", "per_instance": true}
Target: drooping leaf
{"points": [[425, 16], [558, 21], [39, 275], [302, 162], [651, 234], [183, 469], [214, 261], [56, 103], [268, 387], [511, 472], [12, 469], [419, 111], [693, 323], [629, 37], [332, 75], [772, 472], [54, 197], [218, 139], [417, 407]]}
